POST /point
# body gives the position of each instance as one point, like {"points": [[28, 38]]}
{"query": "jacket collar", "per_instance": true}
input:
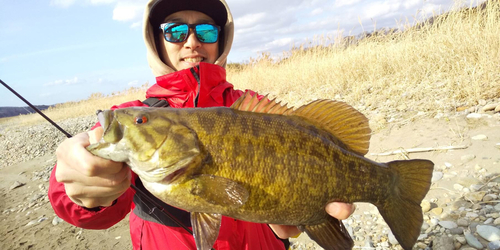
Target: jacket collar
{"points": [[201, 86]]}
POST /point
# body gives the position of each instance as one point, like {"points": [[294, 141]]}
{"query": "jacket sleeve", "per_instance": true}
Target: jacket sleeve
{"points": [[76, 215]]}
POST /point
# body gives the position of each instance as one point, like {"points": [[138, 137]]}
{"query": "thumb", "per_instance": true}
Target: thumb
{"points": [[95, 135], [340, 210]]}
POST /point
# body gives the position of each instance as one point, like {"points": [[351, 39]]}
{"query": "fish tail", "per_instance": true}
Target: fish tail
{"points": [[402, 210]]}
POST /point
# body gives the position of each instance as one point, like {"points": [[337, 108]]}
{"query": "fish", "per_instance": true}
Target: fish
{"points": [[263, 162]]}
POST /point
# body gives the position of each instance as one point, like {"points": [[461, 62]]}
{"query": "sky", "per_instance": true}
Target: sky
{"points": [[54, 51]]}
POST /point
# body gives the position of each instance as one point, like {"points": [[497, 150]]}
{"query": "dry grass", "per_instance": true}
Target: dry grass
{"points": [[85, 107], [452, 63]]}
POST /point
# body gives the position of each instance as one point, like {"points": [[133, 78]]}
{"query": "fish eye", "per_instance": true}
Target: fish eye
{"points": [[141, 119]]}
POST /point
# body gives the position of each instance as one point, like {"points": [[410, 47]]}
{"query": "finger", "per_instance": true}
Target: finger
{"points": [[98, 202], [73, 153], [285, 231], [95, 135], [340, 210], [70, 175], [81, 192]]}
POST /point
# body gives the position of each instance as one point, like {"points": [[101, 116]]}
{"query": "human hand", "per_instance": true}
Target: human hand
{"points": [[90, 181], [339, 210]]}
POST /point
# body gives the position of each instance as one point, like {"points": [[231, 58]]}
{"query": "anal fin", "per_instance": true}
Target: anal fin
{"points": [[330, 235], [205, 229]]}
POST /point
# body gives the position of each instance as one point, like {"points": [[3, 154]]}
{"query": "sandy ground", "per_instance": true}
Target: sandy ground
{"points": [[26, 217]]}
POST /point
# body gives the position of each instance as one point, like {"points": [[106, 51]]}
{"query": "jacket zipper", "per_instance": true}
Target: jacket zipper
{"points": [[197, 77]]}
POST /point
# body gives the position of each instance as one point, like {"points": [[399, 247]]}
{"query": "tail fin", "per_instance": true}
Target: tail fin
{"points": [[402, 210]]}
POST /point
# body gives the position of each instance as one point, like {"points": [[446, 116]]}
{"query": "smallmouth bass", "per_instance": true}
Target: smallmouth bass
{"points": [[262, 162]]}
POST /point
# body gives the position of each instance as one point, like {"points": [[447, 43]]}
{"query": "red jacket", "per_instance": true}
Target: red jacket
{"points": [[202, 87]]}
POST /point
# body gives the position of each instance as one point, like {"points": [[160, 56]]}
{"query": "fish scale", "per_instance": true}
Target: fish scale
{"points": [[262, 162]]}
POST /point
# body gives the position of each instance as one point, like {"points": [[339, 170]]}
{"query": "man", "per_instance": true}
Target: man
{"points": [[187, 45]]}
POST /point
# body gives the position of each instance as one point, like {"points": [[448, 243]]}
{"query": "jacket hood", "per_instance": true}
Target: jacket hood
{"points": [[158, 67]]}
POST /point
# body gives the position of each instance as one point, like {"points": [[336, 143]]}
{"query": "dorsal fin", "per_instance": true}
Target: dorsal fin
{"points": [[250, 102], [338, 118]]}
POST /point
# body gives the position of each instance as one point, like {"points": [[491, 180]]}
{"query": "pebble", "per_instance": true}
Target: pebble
{"points": [[494, 245], [497, 207], [16, 184], [56, 220], [448, 224], [462, 222], [468, 181], [443, 242], [490, 197], [458, 230], [496, 221], [434, 222], [480, 138], [474, 116], [475, 196], [33, 222], [437, 210], [472, 241], [489, 233], [460, 204], [426, 206], [392, 239], [461, 240], [436, 176], [458, 187], [422, 237], [490, 107], [421, 245], [467, 157], [44, 140], [497, 145]]}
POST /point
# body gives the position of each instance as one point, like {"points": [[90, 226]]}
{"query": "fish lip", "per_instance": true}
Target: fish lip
{"points": [[101, 117]]}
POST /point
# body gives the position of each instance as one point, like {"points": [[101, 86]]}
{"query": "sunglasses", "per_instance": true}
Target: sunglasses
{"points": [[179, 32]]}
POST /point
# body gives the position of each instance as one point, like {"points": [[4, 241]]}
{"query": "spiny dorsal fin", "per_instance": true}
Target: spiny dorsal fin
{"points": [[338, 118], [250, 102], [341, 120]]}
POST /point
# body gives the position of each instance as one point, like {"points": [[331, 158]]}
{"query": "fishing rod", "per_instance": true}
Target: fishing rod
{"points": [[137, 190]]}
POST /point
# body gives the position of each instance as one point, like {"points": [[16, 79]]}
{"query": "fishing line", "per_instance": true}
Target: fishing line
{"points": [[138, 191], [35, 108]]}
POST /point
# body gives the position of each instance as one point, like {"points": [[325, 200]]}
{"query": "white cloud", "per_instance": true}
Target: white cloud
{"points": [[316, 11], [250, 20], [62, 3], [72, 81], [97, 2], [137, 24], [133, 83], [128, 11], [341, 3]]}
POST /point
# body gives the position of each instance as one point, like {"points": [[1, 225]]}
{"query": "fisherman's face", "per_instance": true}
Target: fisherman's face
{"points": [[191, 52]]}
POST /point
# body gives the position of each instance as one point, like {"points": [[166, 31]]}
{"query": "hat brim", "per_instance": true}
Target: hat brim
{"points": [[212, 8]]}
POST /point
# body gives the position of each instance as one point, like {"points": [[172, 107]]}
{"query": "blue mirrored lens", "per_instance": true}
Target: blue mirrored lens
{"points": [[207, 33], [176, 33]]}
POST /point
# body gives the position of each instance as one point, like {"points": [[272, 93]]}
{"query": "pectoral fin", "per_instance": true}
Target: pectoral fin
{"points": [[219, 191], [205, 229], [331, 234]]}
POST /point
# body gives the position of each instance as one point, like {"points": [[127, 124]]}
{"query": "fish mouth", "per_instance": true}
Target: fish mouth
{"points": [[113, 130], [104, 117], [155, 175], [174, 176]]}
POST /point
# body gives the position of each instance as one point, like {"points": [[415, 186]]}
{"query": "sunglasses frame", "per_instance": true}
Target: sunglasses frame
{"points": [[163, 28]]}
